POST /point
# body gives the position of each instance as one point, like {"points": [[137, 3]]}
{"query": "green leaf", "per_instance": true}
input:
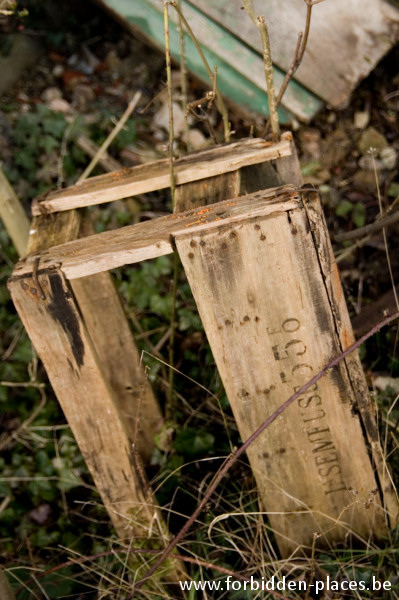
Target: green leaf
{"points": [[393, 189], [68, 480], [194, 442], [311, 168], [188, 319], [42, 538], [359, 214], [343, 208], [160, 305]]}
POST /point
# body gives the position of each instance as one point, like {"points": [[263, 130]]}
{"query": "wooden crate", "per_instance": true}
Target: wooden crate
{"points": [[264, 278]]}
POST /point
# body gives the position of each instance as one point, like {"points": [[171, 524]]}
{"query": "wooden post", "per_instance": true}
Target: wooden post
{"points": [[267, 313]]}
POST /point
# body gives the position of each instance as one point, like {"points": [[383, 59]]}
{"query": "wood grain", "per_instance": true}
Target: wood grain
{"points": [[109, 331], [156, 175], [347, 38], [150, 239], [263, 302], [59, 334]]}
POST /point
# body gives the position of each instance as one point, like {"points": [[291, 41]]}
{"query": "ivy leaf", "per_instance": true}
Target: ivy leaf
{"points": [[194, 442]]}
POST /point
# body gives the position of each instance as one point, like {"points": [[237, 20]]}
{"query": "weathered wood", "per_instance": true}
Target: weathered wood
{"points": [[59, 335], [361, 401], [52, 230], [240, 67], [347, 39], [150, 239], [13, 215], [207, 191], [156, 175], [58, 332], [271, 327], [288, 167], [109, 331]]}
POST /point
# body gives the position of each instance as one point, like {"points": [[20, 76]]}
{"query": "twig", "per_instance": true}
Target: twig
{"points": [[183, 78], [298, 54], [104, 146], [235, 455], [384, 233], [170, 101], [108, 163], [367, 229], [40, 386], [260, 22], [171, 354], [220, 102]]}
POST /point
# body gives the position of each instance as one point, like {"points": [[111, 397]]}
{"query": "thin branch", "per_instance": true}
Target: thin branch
{"points": [[220, 102], [367, 229], [228, 463], [260, 22], [171, 355], [14, 434], [183, 78], [384, 233], [170, 101], [104, 146], [298, 54]]}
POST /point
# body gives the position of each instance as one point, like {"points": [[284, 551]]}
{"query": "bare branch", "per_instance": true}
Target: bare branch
{"points": [[260, 22], [220, 102]]}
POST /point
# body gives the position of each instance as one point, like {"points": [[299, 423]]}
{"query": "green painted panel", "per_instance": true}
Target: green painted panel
{"points": [[240, 69]]}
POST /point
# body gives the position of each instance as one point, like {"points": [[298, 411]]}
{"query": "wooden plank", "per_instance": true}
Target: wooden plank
{"points": [[106, 321], [150, 239], [233, 55], [109, 332], [13, 215], [52, 230], [156, 175], [362, 401], [347, 38], [240, 68], [288, 167], [311, 466], [207, 191], [59, 334]]}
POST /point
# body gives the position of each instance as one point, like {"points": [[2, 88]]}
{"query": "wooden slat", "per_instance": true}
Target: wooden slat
{"points": [[109, 332], [156, 175], [13, 215], [347, 38], [271, 327], [58, 333], [353, 368], [119, 357], [150, 239]]}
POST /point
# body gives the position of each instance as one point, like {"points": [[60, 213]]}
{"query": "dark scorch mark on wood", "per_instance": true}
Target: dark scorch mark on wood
{"points": [[61, 311]]}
